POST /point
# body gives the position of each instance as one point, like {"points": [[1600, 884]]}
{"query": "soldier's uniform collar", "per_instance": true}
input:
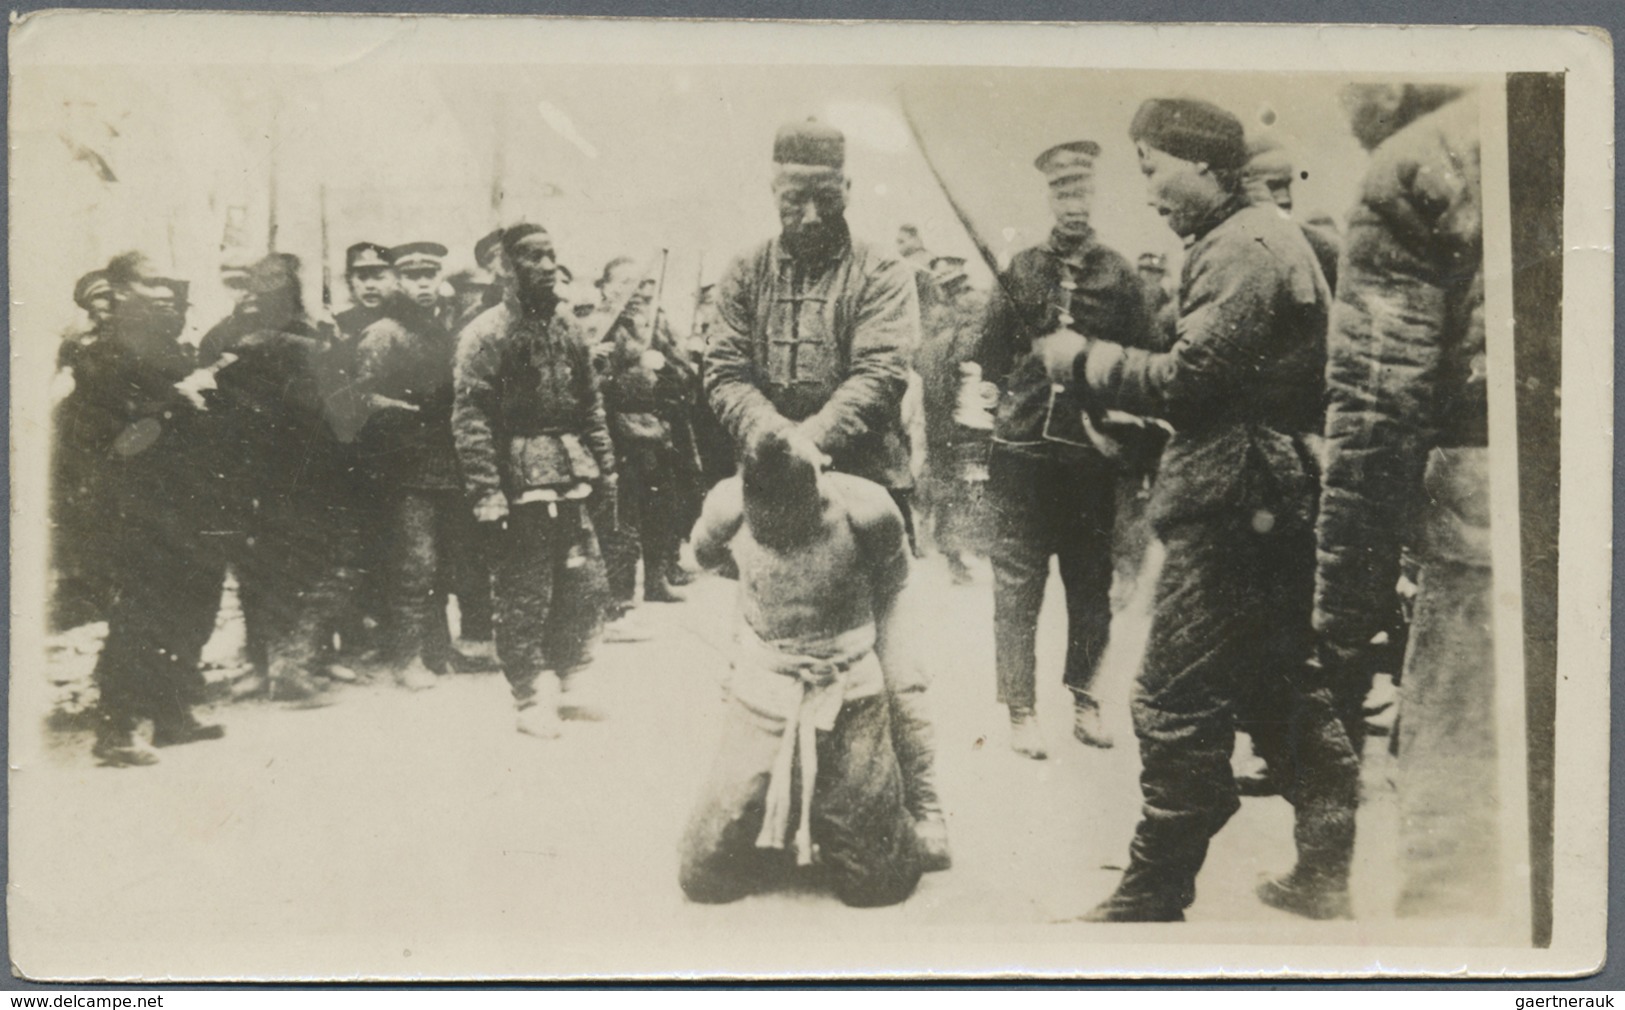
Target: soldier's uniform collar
{"points": [[1067, 248]]}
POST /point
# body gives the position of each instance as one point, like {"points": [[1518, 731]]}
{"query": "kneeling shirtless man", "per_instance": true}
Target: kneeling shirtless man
{"points": [[806, 760]]}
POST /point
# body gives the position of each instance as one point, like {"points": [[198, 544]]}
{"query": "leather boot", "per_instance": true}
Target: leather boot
{"points": [[914, 740], [1025, 737]]}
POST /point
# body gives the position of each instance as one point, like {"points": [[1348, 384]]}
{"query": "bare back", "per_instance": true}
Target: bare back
{"points": [[830, 583]]}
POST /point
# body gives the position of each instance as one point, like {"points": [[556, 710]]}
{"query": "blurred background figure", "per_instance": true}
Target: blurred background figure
{"points": [[1268, 177], [949, 493], [84, 426], [648, 387], [285, 479], [1407, 467], [156, 515]]}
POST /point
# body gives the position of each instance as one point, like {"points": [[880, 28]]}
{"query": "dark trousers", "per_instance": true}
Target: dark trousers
{"points": [[1044, 502], [470, 576], [294, 587], [863, 831], [365, 564], [1230, 640], [423, 525], [1131, 533], [903, 498], [549, 591], [648, 524], [953, 505], [167, 581]]}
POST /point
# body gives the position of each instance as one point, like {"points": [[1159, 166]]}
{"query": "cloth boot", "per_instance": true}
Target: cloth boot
{"points": [[1325, 797], [115, 745], [1160, 882], [1025, 737], [914, 740]]}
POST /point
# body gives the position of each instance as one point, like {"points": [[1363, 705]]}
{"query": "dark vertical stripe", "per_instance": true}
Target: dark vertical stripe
{"points": [[1535, 149]]}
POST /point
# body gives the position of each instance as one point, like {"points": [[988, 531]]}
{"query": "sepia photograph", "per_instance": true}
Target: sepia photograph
{"points": [[565, 499]]}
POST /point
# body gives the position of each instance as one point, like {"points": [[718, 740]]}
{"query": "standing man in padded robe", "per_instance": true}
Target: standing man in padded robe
{"points": [[1234, 508], [817, 328], [534, 447]]}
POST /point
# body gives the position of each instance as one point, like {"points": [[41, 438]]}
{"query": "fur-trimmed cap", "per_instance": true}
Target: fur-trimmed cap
{"points": [[1191, 130]]}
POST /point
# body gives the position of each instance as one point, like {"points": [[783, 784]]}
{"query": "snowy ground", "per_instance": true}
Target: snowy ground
{"points": [[418, 834]]}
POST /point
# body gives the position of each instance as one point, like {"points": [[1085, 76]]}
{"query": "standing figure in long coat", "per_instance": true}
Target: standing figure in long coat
{"points": [[1051, 476]]}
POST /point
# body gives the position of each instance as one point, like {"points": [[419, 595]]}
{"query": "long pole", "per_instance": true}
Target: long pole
{"points": [[660, 291], [271, 188], [499, 153], [327, 265], [699, 291], [1091, 413], [982, 248]]}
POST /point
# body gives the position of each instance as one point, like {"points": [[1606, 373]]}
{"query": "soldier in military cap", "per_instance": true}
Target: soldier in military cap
{"points": [[370, 275], [1159, 302], [952, 329], [419, 266], [81, 591], [404, 376], [1051, 471], [816, 331], [94, 294], [86, 421], [647, 385], [1268, 177]]}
